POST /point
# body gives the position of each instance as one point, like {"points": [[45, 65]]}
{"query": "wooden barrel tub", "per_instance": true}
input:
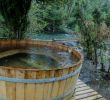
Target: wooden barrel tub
{"points": [[34, 84]]}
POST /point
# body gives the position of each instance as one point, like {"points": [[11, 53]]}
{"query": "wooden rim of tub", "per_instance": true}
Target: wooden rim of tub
{"points": [[24, 43]]}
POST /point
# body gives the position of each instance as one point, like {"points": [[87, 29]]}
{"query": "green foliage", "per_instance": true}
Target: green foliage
{"points": [[4, 32], [14, 13], [51, 17], [36, 19], [96, 16], [93, 30], [107, 20], [54, 17]]}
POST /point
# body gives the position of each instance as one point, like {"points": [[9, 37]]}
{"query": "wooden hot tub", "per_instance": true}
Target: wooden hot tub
{"points": [[35, 84]]}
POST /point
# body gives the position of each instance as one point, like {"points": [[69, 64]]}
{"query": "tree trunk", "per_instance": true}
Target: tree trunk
{"points": [[95, 55]]}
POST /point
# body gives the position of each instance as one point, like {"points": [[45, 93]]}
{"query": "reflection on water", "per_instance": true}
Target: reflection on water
{"points": [[35, 57], [26, 60]]}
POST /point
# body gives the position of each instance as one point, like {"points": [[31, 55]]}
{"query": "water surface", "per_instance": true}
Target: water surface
{"points": [[36, 57]]}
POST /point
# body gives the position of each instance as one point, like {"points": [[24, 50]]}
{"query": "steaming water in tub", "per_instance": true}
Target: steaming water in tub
{"points": [[35, 57]]}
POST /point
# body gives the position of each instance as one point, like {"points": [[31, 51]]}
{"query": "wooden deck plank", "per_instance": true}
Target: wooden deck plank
{"points": [[84, 92]]}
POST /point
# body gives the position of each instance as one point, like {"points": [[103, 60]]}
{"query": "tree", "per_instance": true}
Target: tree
{"points": [[57, 14], [15, 16], [93, 31]]}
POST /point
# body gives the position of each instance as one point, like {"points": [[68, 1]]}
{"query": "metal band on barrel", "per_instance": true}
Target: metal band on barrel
{"points": [[48, 80]]}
